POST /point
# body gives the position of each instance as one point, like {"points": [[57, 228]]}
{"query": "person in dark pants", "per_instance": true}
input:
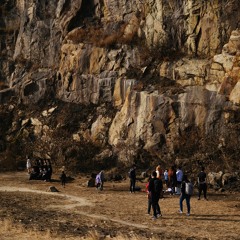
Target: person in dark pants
{"points": [[63, 178], [132, 176], [184, 195], [155, 188], [202, 184]]}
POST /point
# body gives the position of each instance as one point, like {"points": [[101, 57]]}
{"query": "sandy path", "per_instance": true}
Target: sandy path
{"points": [[77, 202]]}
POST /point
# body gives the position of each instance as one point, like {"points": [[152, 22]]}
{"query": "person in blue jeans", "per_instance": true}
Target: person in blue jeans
{"points": [[184, 196]]}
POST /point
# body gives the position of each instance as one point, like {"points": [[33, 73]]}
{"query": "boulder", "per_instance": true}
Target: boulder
{"points": [[91, 182], [215, 178], [52, 189]]}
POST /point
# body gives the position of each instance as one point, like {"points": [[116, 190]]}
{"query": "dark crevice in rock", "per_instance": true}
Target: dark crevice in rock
{"points": [[85, 14]]}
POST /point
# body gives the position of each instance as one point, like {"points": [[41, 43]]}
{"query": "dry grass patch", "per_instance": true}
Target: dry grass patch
{"points": [[10, 230], [100, 37]]}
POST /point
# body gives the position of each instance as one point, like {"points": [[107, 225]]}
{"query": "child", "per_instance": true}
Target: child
{"points": [[63, 178]]}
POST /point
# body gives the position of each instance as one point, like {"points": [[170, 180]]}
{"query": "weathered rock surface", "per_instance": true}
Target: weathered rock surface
{"points": [[119, 81]]}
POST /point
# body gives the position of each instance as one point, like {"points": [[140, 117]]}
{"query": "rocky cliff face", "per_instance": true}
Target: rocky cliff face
{"points": [[99, 83]]}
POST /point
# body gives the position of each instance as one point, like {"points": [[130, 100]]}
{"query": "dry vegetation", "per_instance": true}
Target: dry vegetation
{"points": [[77, 212]]}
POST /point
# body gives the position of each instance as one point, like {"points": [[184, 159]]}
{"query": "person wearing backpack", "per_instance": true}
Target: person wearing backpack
{"points": [[155, 188], [186, 192]]}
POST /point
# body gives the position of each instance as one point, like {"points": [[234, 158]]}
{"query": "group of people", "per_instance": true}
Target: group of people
{"points": [[176, 183], [175, 180], [39, 169]]}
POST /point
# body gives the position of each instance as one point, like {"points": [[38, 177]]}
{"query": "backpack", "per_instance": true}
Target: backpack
{"points": [[158, 186], [189, 188]]}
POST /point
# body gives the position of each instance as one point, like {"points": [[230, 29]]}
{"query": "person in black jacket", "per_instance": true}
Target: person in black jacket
{"points": [[202, 184], [132, 176], [155, 188], [63, 178]]}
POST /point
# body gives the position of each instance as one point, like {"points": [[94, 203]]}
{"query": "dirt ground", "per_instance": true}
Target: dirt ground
{"points": [[79, 212]]}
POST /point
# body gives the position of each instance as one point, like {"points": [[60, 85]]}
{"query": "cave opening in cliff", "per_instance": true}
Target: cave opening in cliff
{"points": [[31, 88], [84, 15]]}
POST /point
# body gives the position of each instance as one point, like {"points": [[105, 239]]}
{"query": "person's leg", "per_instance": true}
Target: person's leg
{"points": [[205, 190], [182, 197], [199, 191], [149, 205], [133, 185], [158, 210], [188, 204], [154, 207]]}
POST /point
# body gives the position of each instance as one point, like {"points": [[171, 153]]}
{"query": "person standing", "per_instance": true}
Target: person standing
{"points": [[179, 175], [149, 197], [63, 178], [132, 176], [184, 195], [155, 188], [202, 184], [166, 177], [159, 171], [28, 165]]}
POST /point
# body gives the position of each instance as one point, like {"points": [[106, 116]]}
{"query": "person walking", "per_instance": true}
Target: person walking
{"points": [[186, 192], [155, 188], [132, 176], [202, 184]]}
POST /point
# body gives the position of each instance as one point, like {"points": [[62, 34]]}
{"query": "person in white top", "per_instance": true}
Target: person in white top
{"points": [[159, 171], [28, 165]]}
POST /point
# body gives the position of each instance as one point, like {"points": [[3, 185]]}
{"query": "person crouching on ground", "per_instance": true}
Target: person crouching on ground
{"points": [[155, 188], [100, 181]]}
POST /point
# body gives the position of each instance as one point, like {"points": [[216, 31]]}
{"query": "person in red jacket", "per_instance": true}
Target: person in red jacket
{"points": [[149, 197]]}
